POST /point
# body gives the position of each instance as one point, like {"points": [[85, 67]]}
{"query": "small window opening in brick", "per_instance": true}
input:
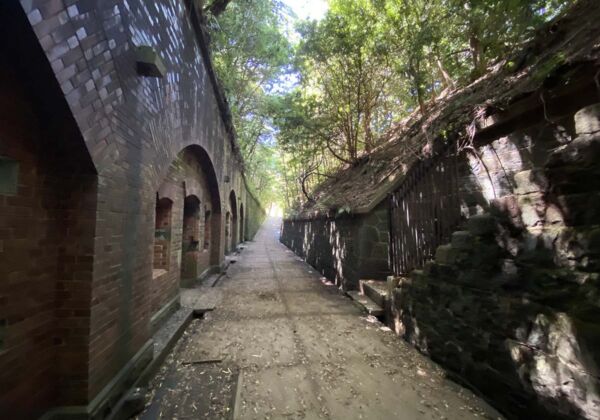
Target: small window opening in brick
{"points": [[190, 239], [162, 235], [207, 229], [9, 176]]}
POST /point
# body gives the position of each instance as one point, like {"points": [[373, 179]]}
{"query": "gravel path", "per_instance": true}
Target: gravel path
{"points": [[284, 343]]}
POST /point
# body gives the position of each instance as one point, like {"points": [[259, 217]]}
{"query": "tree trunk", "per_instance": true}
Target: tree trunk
{"points": [[447, 80], [416, 78], [217, 7], [477, 56], [367, 130], [420, 100]]}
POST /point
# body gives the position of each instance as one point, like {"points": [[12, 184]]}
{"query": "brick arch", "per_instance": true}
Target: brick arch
{"points": [[214, 219], [193, 241], [49, 202], [191, 249], [232, 239]]}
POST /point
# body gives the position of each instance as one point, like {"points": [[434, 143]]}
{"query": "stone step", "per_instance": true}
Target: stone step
{"points": [[371, 307], [376, 290]]}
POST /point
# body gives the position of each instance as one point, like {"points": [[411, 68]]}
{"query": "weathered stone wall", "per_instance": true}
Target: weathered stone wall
{"points": [[129, 130], [254, 216], [511, 304], [344, 249]]}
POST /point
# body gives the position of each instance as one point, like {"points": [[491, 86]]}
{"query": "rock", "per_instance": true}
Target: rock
{"points": [[481, 225], [486, 257], [580, 209], [446, 255], [582, 151], [530, 181], [587, 120], [509, 271], [532, 208], [507, 207], [553, 214], [462, 240], [578, 248], [134, 402], [558, 371]]}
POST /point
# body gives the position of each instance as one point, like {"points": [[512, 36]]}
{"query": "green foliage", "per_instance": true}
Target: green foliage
{"points": [[345, 66], [303, 110], [251, 54]]}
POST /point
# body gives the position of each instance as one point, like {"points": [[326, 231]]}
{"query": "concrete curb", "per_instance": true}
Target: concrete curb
{"points": [[119, 413]]}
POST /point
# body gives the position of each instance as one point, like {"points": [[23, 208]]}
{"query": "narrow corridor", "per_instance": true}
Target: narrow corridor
{"points": [[284, 343]]}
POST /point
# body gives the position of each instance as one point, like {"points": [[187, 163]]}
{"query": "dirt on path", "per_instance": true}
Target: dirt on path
{"points": [[284, 344]]}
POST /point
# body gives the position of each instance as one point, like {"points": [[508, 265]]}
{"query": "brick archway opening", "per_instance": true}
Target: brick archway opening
{"points": [[232, 238], [48, 199], [190, 239], [210, 220]]}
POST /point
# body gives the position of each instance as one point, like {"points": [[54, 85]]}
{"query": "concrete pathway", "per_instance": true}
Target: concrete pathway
{"points": [[281, 343]]}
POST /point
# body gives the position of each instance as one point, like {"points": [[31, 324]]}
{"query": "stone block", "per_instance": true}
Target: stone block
{"points": [[578, 248], [509, 273], [579, 209], [149, 63], [506, 207], [587, 120], [583, 151], [481, 225], [462, 240], [530, 181], [417, 275], [446, 254], [553, 215], [533, 209]]}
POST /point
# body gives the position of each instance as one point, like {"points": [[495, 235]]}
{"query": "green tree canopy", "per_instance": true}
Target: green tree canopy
{"points": [[303, 108]]}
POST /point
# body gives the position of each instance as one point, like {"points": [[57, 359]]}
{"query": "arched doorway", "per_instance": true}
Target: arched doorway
{"points": [[191, 246], [242, 224], [232, 238], [190, 239], [48, 208]]}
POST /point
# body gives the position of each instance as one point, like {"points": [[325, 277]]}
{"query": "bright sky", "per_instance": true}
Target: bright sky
{"points": [[313, 9]]}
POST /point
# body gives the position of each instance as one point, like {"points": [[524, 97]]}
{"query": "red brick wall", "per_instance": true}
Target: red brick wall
{"points": [[162, 233], [46, 255], [191, 236], [133, 127], [231, 232], [186, 178]]}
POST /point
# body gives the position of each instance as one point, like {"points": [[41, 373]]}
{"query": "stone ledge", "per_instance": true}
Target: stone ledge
{"points": [[163, 341], [157, 320], [369, 306]]}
